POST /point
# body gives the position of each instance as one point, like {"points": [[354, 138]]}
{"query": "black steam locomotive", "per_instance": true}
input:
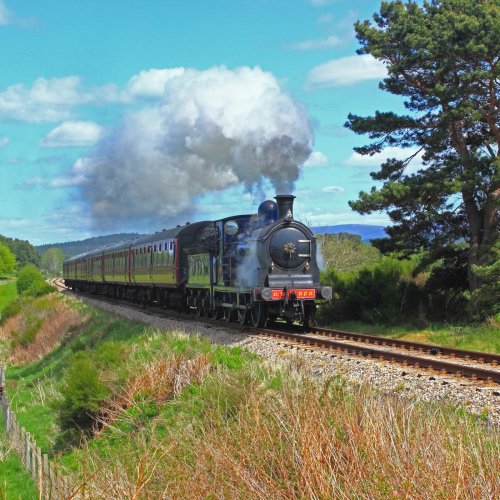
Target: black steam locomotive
{"points": [[247, 267]]}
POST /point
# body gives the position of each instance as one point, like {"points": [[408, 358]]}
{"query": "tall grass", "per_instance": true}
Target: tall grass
{"points": [[246, 439], [182, 418], [37, 326]]}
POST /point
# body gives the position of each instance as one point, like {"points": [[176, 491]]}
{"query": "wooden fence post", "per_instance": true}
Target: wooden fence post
{"points": [[22, 442], [27, 449], [51, 483], [46, 478], [53, 490], [33, 459], [39, 472]]}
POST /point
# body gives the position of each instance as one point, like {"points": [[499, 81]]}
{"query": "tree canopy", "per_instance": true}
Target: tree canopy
{"points": [[7, 261], [442, 57], [24, 251], [52, 260]]}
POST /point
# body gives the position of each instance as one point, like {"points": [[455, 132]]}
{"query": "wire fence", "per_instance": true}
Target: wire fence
{"points": [[51, 484]]}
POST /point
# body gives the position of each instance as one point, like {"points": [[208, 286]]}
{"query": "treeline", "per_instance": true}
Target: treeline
{"points": [[16, 254], [376, 288], [23, 250]]}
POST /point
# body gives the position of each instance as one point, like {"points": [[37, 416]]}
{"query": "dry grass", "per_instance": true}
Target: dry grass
{"points": [[159, 380], [306, 442], [53, 320]]}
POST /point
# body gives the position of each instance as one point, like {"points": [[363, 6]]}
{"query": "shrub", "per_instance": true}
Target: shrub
{"points": [[30, 282], [10, 310], [378, 293], [83, 393], [32, 328]]}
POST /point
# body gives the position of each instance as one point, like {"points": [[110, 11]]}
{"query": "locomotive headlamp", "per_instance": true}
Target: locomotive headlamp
{"points": [[307, 266], [266, 293]]}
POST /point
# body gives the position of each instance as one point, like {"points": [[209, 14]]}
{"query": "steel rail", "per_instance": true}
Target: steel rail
{"points": [[483, 357], [362, 350], [406, 359]]}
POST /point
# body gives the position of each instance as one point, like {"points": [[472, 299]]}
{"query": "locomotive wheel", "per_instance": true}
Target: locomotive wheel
{"points": [[258, 314], [206, 306], [310, 316], [243, 313], [199, 306], [219, 310], [242, 316], [228, 314]]}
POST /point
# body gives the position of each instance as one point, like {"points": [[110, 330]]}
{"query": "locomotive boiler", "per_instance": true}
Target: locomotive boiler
{"points": [[247, 268]]}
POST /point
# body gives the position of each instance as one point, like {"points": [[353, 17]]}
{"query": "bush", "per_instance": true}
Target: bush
{"points": [[83, 393], [379, 293], [31, 282], [10, 310]]}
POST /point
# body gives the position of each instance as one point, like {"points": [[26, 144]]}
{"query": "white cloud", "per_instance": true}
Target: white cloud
{"points": [[374, 161], [321, 3], [45, 100], [4, 141], [73, 134], [325, 19], [5, 16], [333, 189], [211, 130], [332, 218], [317, 44], [35, 181], [345, 71], [316, 159], [152, 82], [76, 175]]}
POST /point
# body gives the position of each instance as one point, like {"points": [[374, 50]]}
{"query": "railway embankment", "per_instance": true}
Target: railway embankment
{"points": [[131, 404]]}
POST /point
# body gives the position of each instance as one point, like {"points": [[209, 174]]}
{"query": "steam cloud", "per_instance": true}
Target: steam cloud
{"points": [[211, 130]]}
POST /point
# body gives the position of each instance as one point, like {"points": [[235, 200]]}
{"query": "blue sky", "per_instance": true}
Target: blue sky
{"points": [[137, 115]]}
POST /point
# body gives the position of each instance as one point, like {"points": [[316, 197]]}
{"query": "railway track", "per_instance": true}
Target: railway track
{"points": [[427, 356], [438, 359]]}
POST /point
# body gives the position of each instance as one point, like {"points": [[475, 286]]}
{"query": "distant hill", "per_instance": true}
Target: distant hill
{"points": [[71, 248], [366, 231]]}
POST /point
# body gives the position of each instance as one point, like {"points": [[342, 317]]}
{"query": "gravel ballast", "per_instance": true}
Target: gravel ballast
{"points": [[479, 398]]}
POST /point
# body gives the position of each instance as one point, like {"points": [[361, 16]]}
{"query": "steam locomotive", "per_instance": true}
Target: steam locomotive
{"points": [[253, 268]]}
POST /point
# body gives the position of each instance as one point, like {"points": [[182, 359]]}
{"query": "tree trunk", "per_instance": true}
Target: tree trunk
{"points": [[482, 233]]}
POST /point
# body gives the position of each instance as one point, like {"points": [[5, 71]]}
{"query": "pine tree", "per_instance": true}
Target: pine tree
{"points": [[442, 57]]}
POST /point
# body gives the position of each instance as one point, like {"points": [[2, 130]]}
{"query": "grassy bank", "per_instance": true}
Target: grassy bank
{"points": [[8, 293], [176, 416], [484, 338], [15, 482]]}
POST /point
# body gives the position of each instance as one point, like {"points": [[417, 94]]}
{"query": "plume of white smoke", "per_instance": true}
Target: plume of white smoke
{"points": [[211, 130]]}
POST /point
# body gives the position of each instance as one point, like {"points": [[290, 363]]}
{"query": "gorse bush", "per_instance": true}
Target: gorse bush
{"points": [[10, 310], [379, 293], [31, 282], [83, 392]]}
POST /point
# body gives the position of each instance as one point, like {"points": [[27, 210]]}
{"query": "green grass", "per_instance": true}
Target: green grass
{"points": [[15, 482], [8, 293], [117, 345], [482, 338], [220, 427]]}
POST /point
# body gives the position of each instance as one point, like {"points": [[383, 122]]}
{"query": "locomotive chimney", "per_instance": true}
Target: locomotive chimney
{"points": [[285, 203]]}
